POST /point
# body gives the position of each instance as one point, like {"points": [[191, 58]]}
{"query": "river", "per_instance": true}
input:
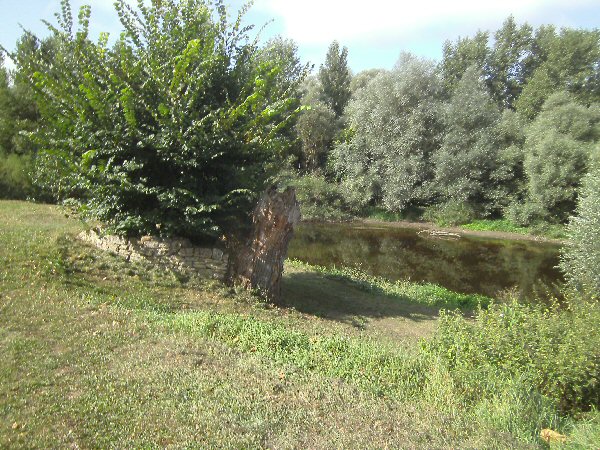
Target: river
{"points": [[469, 264]]}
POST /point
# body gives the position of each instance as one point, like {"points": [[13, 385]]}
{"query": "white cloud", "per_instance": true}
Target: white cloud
{"points": [[321, 21]]}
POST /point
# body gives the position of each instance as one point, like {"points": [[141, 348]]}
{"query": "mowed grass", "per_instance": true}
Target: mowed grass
{"points": [[100, 353]]}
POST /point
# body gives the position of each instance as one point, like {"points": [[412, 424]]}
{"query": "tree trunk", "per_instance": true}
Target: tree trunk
{"points": [[258, 263]]}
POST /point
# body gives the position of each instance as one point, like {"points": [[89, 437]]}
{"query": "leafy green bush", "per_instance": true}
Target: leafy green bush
{"points": [[381, 214], [15, 182], [450, 213], [320, 200], [523, 213], [553, 350], [581, 257], [175, 129]]}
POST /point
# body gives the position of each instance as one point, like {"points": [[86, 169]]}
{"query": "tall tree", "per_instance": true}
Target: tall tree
{"points": [[361, 79], [335, 78], [507, 62], [572, 63], [395, 126], [283, 54], [557, 152], [18, 118], [316, 128], [468, 153], [509, 173], [459, 56], [6, 109]]}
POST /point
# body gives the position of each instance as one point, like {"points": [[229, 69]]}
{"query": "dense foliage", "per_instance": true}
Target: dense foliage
{"points": [[174, 129], [467, 156], [395, 129], [557, 149], [501, 127], [581, 259], [554, 351], [18, 116]]}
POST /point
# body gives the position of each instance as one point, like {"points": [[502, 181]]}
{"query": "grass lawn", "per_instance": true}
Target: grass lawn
{"points": [[100, 353]]}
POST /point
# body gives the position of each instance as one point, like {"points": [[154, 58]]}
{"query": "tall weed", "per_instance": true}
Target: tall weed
{"points": [[554, 350]]}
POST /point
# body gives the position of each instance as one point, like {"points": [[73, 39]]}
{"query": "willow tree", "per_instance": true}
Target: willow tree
{"points": [[395, 129], [581, 258], [557, 151], [467, 157]]}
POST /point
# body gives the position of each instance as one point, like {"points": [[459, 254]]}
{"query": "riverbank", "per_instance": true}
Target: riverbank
{"points": [[462, 231]]}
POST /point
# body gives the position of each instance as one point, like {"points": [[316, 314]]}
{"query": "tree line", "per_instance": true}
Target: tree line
{"points": [[177, 126], [503, 126]]}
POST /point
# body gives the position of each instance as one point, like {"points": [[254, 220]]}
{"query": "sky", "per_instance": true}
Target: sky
{"points": [[375, 31]]}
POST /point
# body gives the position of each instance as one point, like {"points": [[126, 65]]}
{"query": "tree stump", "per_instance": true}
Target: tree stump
{"points": [[258, 263]]}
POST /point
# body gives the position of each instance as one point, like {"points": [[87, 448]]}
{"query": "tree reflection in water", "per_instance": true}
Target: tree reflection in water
{"points": [[469, 265]]}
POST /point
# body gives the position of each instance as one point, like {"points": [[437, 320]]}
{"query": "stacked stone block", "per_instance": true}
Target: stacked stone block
{"points": [[168, 253]]}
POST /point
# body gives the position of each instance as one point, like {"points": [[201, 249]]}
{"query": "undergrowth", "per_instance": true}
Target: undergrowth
{"points": [[551, 231], [515, 369]]}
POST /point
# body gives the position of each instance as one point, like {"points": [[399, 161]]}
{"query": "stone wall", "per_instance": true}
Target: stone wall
{"points": [[172, 253]]}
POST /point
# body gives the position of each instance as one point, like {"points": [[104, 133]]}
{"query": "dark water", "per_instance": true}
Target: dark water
{"points": [[468, 264]]}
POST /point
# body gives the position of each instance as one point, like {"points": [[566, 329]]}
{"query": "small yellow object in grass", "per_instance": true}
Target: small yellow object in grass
{"points": [[549, 436], [15, 426]]}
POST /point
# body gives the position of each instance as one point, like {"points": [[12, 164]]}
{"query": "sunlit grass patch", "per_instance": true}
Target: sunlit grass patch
{"points": [[423, 293], [502, 225], [551, 231]]}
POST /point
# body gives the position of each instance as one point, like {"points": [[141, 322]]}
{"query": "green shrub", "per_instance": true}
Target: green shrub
{"points": [[184, 151], [411, 213], [450, 213], [523, 213], [382, 215], [320, 200], [581, 258], [14, 176], [549, 230], [555, 351]]}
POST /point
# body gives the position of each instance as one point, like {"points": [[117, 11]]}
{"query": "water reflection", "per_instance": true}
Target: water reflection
{"points": [[469, 264]]}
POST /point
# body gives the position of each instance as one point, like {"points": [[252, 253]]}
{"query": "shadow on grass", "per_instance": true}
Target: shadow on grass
{"points": [[140, 286], [339, 300]]}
